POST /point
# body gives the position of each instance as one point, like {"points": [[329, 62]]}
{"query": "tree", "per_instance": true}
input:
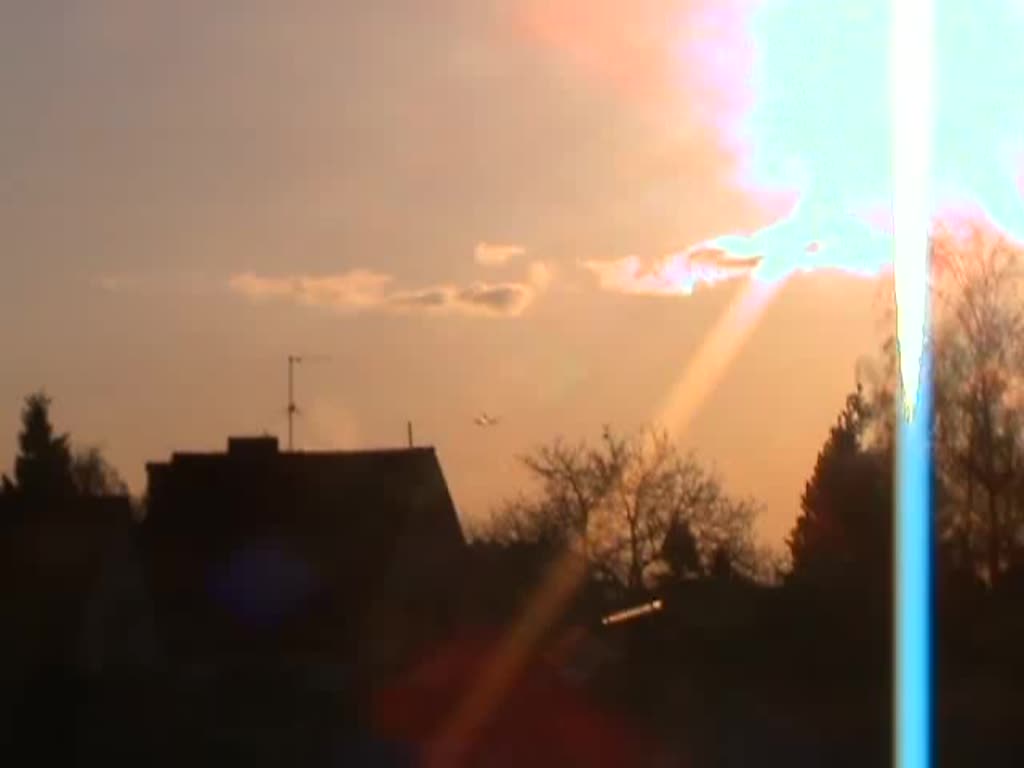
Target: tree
{"points": [[723, 566], [979, 399], [843, 536], [625, 503], [680, 553], [42, 468], [93, 475], [571, 490], [46, 468]]}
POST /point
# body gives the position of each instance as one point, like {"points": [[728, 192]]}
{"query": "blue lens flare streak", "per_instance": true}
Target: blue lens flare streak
{"points": [[913, 577]]}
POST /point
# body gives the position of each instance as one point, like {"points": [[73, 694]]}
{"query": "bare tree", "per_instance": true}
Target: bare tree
{"points": [[979, 383], [629, 502], [977, 348], [93, 475], [571, 491]]}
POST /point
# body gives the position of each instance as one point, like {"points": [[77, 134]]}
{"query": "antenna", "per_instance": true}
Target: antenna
{"points": [[292, 407]]}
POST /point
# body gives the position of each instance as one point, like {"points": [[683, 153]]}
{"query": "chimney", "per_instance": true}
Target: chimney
{"points": [[253, 447]]}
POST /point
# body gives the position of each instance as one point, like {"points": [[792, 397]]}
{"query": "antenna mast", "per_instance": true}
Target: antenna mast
{"points": [[292, 409]]}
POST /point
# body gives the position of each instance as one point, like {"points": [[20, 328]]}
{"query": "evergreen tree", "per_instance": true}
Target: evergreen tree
{"points": [[843, 535], [42, 469]]}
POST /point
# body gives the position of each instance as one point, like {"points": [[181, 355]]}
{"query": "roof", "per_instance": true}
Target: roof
{"points": [[188, 456], [376, 488], [393, 478], [249, 448]]}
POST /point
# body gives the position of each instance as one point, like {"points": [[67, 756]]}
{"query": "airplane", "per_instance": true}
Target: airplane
{"points": [[484, 420]]}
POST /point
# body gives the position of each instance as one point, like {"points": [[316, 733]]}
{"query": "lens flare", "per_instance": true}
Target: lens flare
{"points": [[912, 114], [912, 120]]}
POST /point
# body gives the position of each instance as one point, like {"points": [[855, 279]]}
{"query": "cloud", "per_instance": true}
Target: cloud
{"points": [[677, 274], [354, 290], [501, 299], [490, 255], [425, 298], [365, 291], [485, 299]]}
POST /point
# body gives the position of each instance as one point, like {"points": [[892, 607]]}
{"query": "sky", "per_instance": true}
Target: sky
{"points": [[419, 192]]}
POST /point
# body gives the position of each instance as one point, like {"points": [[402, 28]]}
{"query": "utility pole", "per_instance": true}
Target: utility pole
{"points": [[408, 425]]}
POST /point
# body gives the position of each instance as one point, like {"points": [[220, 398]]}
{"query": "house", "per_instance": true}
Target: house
{"points": [[287, 585], [335, 560]]}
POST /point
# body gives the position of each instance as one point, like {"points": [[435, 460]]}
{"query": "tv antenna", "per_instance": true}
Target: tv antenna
{"points": [[292, 407]]}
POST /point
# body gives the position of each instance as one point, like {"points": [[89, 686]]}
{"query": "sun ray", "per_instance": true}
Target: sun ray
{"points": [[717, 350]]}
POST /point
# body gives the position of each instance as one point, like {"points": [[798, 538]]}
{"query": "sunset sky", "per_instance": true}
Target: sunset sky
{"points": [[435, 194]]}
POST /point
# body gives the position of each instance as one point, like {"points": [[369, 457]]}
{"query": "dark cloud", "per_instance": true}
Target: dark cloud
{"points": [[505, 298], [428, 298]]}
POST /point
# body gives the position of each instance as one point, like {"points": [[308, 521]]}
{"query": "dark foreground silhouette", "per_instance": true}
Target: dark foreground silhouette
{"points": [[277, 608]]}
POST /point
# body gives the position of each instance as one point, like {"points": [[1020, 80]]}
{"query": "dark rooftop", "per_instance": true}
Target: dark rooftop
{"points": [[267, 447]]}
